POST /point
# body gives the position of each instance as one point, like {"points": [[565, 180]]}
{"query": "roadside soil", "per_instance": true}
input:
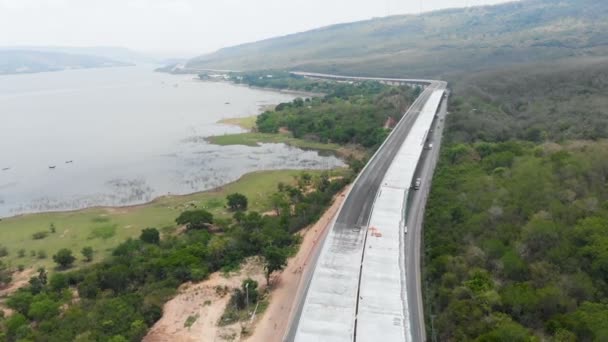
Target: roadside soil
{"points": [[205, 303], [274, 322]]}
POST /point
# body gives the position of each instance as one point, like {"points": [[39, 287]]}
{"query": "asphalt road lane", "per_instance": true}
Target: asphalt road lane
{"points": [[358, 205], [415, 216]]}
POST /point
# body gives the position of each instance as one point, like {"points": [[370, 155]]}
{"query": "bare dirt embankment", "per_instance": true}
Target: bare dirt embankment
{"points": [[193, 314]]}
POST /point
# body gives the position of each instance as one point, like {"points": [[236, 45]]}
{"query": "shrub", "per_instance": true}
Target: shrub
{"points": [[64, 258], [40, 235], [237, 202], [87, 252], [150, 235], [195, 219]]}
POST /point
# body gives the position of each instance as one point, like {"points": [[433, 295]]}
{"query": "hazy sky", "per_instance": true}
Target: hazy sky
{"points": [[185, 27]]}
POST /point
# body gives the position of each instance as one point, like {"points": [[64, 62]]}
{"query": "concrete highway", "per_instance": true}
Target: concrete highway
{"points": [[356, 209]]}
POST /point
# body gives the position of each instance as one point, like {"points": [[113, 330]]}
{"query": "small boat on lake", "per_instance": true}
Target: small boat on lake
{"points": [[52, 167], [69, 161], [6, 169]]}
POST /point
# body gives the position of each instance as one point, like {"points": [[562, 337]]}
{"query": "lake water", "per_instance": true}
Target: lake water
{"points": [[131, 135]]}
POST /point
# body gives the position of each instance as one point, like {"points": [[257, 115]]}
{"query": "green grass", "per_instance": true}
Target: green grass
{"points": [[105, 228], [190, 321], [103, 232], [247, 123], [254, 139]]}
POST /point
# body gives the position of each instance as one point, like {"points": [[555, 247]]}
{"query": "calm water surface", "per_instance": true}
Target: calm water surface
{"points": [[123, 136]]}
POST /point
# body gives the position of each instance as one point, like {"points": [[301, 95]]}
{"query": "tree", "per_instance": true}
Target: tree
{"points": [[38, 283], [280, 204], [150, 235], [64, 258], [58, 282], [43, 309], [247, 295], [275, 259], [87, 252], [195, 219], [250, 288], [13, 323], [237, 202]]}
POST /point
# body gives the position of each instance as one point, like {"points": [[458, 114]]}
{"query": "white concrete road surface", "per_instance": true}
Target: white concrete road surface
{"points": [[347, 297]]}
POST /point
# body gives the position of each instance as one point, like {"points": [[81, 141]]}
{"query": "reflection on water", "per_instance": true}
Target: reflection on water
{"points": [[121, 137]]}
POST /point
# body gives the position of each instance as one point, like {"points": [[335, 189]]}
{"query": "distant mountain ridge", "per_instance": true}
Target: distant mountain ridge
{"points": [[116, 53], [433, 44], [30, 61]]}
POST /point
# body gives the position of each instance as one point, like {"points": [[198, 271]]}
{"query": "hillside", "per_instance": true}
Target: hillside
{"points": [[436, 44], [555, 101], [28, 61], [516, 224]]}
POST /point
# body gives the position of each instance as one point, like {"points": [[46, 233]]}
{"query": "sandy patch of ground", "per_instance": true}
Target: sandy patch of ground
{"points": [[270, 213], [275, 320], [203, 302], [351, 151], [20, 279]]}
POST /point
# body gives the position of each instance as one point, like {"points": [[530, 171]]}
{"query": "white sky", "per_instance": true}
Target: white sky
{"points": [[185, 27]]}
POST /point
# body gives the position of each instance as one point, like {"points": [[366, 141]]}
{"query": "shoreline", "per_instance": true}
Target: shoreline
{"points": [[155, 200], [105, 227], [282, 91], [261, 109]]}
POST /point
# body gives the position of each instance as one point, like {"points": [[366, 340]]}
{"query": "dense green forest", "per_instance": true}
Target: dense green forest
{"points": [[120, 298], [348, 113], [516, 228]]}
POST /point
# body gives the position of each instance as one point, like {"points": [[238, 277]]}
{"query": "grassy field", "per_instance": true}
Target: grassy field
{"points": [[104, 228], [254, 139], [247, 122]]}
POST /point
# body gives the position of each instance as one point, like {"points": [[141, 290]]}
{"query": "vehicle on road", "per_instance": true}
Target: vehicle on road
{"points": [[417, 184]]}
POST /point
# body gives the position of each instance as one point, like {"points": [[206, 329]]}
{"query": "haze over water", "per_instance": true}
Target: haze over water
{"points": [[131, 134]]}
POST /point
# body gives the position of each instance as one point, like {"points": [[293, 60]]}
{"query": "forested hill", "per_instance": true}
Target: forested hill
{"points": [[516, 227], [434, 44]]}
